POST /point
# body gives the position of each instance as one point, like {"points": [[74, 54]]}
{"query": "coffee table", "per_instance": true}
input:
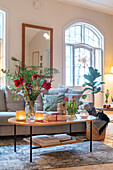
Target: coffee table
{"points": [[52, 123]]}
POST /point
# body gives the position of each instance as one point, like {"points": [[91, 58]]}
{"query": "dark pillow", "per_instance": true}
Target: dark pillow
{"points": [[92, 111]]}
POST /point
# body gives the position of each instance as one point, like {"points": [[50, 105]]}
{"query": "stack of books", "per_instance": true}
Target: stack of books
{"points": [[45, 140]]}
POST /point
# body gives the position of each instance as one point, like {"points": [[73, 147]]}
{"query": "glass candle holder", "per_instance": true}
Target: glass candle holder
{"points": [[21, 115], [84, 114], [39, 117]]}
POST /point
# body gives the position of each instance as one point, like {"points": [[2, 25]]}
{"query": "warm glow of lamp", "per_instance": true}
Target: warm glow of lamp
{"points": [[84, 114], [21, 115], [39, 117], [111, 70]]}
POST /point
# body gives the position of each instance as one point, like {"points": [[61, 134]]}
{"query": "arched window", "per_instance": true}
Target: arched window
{"points": [[83, 48], [2, 45]]}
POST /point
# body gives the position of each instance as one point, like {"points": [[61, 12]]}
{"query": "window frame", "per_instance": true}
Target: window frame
{"points": [[98, 34]]}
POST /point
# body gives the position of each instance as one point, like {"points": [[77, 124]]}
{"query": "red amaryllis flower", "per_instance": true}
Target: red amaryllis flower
{"points": [[66, 99], [22, 80], [46, 85], [73, 96], [38, 76], [28, 86], [34, 76], [17, 83]]}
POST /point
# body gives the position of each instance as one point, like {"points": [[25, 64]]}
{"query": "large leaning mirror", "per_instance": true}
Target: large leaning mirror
{"points": [[37, 46]]}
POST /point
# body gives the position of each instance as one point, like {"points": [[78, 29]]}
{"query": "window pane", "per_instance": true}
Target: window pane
{"points": [[82, 62], [73, 35], [69, 66]]}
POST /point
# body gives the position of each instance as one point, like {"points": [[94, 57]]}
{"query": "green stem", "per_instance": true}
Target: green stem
{"points": [[28, 97]]}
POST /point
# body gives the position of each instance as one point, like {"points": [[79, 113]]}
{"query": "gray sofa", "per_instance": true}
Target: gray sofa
{"points": [[8, 109]]}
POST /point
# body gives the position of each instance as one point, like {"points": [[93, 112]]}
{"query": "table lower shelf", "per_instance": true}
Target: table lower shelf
{"points": [[73, 140]]}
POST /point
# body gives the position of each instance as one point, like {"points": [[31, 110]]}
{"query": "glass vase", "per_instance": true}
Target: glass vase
{"points": [[30, 111]]}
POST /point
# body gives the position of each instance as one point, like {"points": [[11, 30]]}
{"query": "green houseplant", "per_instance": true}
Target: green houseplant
{"points": [[92, 82]]}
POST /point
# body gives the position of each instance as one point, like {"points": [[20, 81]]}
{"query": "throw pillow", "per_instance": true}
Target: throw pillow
{"points": [[73, 91], [12, 105], [39, 100], [2, 100], [57, 90], [50, 101]]}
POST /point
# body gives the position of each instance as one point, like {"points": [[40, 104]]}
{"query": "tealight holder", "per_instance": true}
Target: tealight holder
{"points": [[84, 114], [21, 115], [39, 117]]}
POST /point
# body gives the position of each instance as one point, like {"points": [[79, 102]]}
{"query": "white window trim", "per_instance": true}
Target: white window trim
{"points": [[7, 32]]}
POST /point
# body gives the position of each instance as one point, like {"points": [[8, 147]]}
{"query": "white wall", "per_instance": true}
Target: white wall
{"points": [[56, 15]]}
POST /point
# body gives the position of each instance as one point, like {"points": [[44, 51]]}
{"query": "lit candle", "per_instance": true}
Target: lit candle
{"points": [[39, 117], [21, 115]]}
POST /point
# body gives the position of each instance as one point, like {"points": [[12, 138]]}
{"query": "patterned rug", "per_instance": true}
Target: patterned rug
{"points": [[54, 157]]}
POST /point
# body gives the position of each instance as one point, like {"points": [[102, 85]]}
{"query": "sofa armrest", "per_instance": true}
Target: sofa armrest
{"points": [[86, 105]]}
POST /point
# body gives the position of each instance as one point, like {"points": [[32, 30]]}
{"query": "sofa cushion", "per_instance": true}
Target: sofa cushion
{"points": [[57, 90], [39, 100], [4, 116], [50, 101], [71, 90], [2, 100], [12, 105]]}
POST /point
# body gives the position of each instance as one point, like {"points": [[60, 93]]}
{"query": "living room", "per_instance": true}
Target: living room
{"points": [[60, 18]]}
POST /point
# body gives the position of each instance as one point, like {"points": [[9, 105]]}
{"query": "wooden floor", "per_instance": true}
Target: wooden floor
{"points": [[108, 141]]}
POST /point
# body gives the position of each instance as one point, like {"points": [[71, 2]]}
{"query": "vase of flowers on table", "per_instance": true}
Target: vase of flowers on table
{"points": [[72, 108], [29, 83]]}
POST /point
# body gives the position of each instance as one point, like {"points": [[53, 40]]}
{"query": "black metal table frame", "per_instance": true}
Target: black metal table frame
{"points": [[15, 139]]}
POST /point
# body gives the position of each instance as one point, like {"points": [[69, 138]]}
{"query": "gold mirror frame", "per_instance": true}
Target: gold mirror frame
{"points": [[24, 26]]}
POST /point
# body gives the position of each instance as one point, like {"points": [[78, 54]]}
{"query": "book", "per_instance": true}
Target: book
{"points": [[45, 140], [63, 137]]}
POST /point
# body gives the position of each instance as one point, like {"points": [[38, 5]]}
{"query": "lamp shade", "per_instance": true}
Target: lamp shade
{"points": [[111, 69]]}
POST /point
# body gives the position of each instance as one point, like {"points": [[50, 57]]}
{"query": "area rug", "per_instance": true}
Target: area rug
{"points": [[55, 157]]}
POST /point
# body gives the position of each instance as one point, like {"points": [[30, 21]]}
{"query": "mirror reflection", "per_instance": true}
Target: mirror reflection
{"points": [[37, 46]]}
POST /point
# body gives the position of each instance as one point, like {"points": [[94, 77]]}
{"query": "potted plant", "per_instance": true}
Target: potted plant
{"points": [[93, 85], [29, 83], [72, 107]]}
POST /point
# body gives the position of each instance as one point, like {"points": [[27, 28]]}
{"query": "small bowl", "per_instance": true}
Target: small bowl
{"points": [[84, 114]]}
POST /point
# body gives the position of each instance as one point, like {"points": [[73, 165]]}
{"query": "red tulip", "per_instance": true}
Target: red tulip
{"points": [[66, 99]]}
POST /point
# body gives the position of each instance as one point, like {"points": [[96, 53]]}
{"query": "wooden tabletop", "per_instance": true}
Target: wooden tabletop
{"points": [[50, 123]]}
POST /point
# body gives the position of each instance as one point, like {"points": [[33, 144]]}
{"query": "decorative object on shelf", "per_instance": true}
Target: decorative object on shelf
{"points": [[72, 107], [29, 83], [62, 108], [21, 115], [39, 117], [92, 82], [106, 103], [107, 95], [84, 114]]}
